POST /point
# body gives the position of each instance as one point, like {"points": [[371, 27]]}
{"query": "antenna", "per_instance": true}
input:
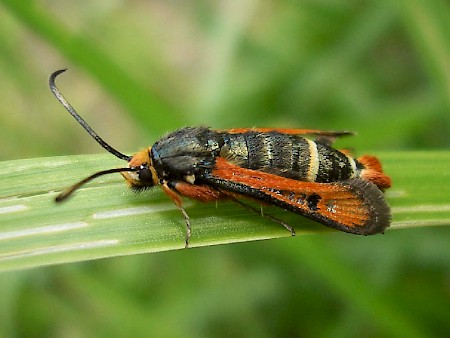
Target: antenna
{"points": [[72, 111], [69, 191]]}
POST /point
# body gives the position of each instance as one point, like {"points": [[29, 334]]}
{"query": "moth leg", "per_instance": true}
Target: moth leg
{"points": [[260, 212], [177, 200], [202, 193]]}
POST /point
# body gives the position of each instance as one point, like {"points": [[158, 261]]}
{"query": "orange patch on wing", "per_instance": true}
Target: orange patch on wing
{"points": [[354, 206]]}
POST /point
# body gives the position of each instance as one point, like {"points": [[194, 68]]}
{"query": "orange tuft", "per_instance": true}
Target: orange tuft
{"points": [[373, 172]]}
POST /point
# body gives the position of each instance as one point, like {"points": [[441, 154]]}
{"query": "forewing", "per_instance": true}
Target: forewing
{"points": [[355, 205], [311, 132]]}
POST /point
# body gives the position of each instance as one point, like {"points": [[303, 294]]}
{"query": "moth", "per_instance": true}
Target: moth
{"points": [[280, 167]]}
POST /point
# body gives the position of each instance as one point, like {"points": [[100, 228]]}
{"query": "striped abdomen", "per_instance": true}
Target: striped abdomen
{"points": [[290, 156]]}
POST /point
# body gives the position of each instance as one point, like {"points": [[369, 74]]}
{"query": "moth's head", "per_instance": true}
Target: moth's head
{"points": [[142, 174]]}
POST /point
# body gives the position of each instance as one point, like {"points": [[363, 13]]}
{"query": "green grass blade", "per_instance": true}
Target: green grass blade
{"points": [[106, 219]]}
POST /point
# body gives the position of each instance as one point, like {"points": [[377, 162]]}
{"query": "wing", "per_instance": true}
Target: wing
{"points": [[312, 132], [355, 205], [322, 136]]}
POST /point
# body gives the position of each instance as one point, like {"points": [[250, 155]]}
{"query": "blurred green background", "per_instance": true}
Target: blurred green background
{"points": [[140, 69]]}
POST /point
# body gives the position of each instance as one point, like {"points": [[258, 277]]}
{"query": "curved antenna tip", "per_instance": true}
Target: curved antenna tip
{"points": [[56, 73]]}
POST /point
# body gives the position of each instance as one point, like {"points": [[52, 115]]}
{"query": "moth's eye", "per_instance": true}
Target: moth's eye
{"points": [[145, 176]]}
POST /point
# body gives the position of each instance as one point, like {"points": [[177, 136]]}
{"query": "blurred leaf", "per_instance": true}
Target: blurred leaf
{"points": [[429, 27], [144, 103]]}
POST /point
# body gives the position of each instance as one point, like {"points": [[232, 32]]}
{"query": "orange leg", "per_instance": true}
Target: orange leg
{"points": [[199, 192], [177, 200]]}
